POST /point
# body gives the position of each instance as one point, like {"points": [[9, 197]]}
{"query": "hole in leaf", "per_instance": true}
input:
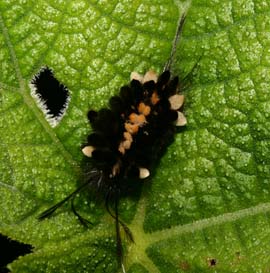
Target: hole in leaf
{"points": [[11, 250], [52, 96], [212, 262]]}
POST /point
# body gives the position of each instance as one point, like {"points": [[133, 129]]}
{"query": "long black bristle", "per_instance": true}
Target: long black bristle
{"points": [[124, 226], [47, 213], [175, 42], [82, 220], [119, 246]]}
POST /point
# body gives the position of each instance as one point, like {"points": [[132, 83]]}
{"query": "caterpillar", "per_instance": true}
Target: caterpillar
{"points": [[128, 138]]}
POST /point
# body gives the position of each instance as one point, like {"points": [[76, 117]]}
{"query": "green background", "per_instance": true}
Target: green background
{"points": [[209, 197]]}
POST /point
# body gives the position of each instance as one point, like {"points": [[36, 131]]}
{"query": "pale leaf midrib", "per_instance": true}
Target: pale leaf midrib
{"points": [[164, 234], [176, 231]]}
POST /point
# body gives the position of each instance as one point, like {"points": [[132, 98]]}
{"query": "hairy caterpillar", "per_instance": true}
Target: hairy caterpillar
{"points": [[128, 137]]}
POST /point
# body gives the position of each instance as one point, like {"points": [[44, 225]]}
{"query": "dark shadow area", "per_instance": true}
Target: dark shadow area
{"points": [[10, 250]]}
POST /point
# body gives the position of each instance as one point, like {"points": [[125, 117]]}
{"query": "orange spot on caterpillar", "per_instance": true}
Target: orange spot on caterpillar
{"points": [[127, 136], [126, 144], [131, 128], [154, 98], [137, 119], [121, 148], [144, 109]]}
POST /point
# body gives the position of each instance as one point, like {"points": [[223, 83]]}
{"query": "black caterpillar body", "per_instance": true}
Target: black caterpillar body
{"points": [[130, 136]]}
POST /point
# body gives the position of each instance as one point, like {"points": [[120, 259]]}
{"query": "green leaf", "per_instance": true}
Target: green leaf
{"points": [[206, 208]]}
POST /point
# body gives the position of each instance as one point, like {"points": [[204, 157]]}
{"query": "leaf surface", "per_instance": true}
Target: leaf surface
{"points": [[206, 207]]}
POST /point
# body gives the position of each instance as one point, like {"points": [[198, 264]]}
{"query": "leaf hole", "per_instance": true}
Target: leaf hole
{"points": [[212, 262], [51, 96]]}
